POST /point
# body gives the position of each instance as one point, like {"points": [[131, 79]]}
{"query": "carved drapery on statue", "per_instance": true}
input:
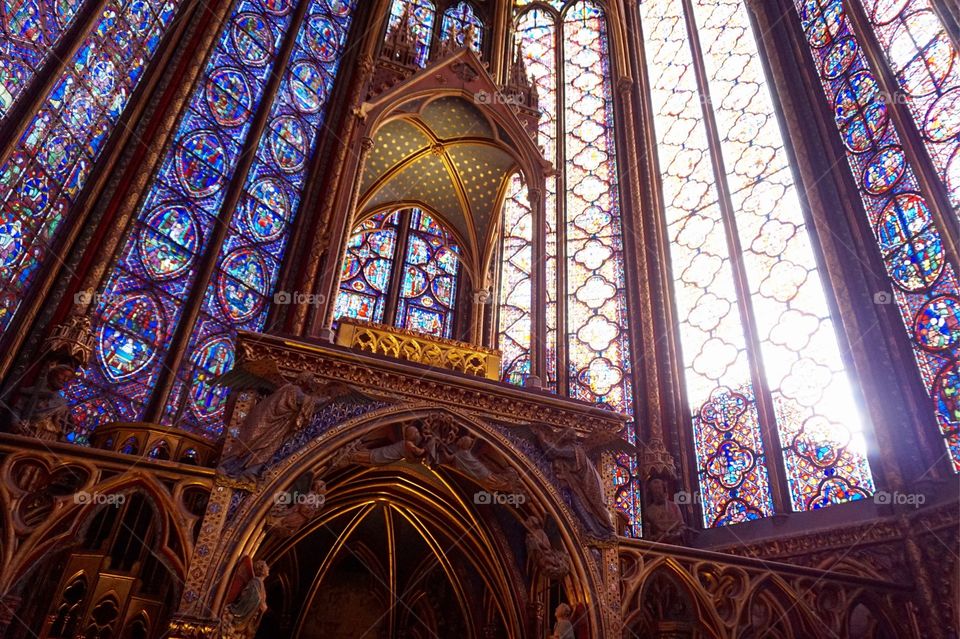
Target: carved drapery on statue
{"points": [[274, 419], [246, 601]]}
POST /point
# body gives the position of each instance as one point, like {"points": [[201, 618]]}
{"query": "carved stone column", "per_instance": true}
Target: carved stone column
{"points": [[331, 279], [538, 282], [200, 584], [323, 240]]}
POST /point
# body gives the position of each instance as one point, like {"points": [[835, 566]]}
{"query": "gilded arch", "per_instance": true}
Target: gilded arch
{"points": [[245, 534]]}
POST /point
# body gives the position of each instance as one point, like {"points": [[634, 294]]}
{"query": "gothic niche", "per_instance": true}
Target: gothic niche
{"points": [[419, 528]]}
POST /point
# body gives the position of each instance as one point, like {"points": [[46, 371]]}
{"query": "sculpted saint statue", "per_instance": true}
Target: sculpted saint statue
{"points": [[408, 448], [461, 457], [247, 601], [271, 422], [663, 518], [552, 563], [564, 627], [41, 411], [574, 468]]}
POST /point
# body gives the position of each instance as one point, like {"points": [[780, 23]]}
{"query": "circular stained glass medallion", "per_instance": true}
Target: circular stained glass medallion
{"points": [[288, 142], [200, 163], [918, 263], [324, 38], [242, 284], [169, 242], [267, 209], [937, 326], [128, 338], [884, 170], [214, 357], [252, 38], [943, 118], [307, 87], [841, 56], [228, 96], [901, 219], [946, 390]]}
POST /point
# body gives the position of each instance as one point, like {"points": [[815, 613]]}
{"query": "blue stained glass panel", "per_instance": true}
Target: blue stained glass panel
{"points": [[906, 233], [197, 165], [29, 32], [458, 18], [421, 16], [48, 166], [429, 286], [239, 296]]}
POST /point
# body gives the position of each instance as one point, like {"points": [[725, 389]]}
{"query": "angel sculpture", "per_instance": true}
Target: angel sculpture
{"points": [[407, 448], [554, 564], [246, 601], [461, 457], [283, 412], [297, 506], [573, 468]]}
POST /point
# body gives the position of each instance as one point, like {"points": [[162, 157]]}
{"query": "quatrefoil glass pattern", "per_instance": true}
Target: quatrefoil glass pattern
{"points": [[743, 265]]}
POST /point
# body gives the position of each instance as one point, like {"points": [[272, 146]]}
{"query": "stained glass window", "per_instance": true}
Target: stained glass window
{"points": [[139, 309], [922, 56], [515, 284], [458, 17], [428, 291], [249, 264], [536, 33], [29, 31], [598, 356], [421, 16], [45, 170], [567, 56], [421, 295], [743, 262], [367, 269], [924, 284]]}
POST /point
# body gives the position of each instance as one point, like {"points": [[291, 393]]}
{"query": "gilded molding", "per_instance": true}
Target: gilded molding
{"points": [[398, 343]]}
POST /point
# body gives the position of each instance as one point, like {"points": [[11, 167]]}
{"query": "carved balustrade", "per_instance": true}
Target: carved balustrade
{"points": [[419, 348]]}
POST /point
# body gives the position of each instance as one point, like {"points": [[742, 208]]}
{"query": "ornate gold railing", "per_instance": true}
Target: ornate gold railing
{"points": [[416, 347]]}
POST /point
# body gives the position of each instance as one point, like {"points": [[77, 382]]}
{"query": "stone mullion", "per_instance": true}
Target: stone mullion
{"points": [[662, 360], [346, 221]]}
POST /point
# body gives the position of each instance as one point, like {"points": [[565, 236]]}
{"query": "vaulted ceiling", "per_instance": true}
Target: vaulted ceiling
{"points": [[445, 156]]}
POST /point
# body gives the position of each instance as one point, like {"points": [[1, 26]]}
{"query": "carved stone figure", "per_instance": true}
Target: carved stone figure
{"points": [[662, 517], [574, 468], [461, 457], [271, 422], [552, 563], [449, 43], [469, 34], [246, 602], [297, 506], [408, 449], [563, 628], [41, 411]]}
